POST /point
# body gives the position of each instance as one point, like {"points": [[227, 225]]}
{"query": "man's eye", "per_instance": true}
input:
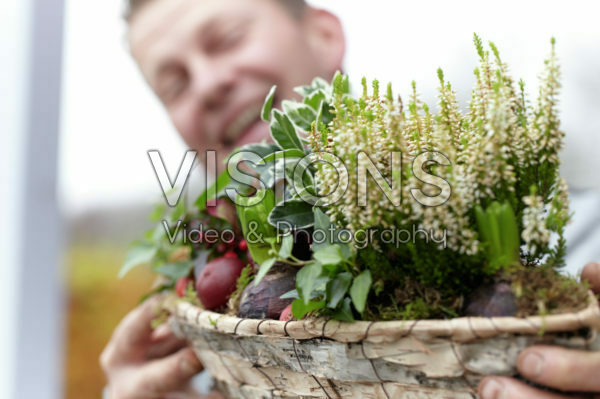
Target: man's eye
{"points": [[172, 87]]}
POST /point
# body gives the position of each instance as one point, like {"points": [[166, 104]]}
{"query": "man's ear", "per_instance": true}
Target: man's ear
{"points": [[326, 39]]}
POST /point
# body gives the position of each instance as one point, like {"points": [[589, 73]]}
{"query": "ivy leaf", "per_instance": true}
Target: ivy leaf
{"points": [[140, 254], [300, 308], [287, 244], [298, 175], [360, 290], [337, 288], [345, 312], [296, 213], [301, 115], [268, 105], [261, 149], [329, 255], [315, 99], [306, 278], [289, 154], [264, 269], [211, 192], [271, 174], [253, 213], [284, 132], [324, 225], [175, 270]]}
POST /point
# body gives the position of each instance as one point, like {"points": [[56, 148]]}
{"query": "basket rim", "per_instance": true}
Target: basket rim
{"points": [[462, 329]]}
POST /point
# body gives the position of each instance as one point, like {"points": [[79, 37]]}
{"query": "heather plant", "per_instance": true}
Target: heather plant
{"points": [[495, 167], [485, 179]]}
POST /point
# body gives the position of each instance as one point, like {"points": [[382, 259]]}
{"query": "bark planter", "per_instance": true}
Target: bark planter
{"points": [[318, 358]]}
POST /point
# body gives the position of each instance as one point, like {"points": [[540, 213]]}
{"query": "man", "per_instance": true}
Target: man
{"points": [[211, 62]]}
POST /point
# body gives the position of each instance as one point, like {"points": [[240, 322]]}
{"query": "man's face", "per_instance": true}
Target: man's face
{"points": [[211, 63]]}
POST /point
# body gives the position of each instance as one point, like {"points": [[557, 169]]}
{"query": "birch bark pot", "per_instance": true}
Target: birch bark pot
{"points": [[319, 358]]}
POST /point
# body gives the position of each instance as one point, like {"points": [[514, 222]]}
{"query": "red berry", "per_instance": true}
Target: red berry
{"points": [[286, 314], [217, 281], [181, 286], [243, 245], [222, 247], [230, 255]]}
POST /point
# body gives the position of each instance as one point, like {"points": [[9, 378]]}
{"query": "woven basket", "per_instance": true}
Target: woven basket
{"points": [[319, 358]]}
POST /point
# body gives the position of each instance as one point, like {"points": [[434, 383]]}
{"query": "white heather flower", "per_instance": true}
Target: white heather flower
{"points": [[498, 150], [535, 233]]}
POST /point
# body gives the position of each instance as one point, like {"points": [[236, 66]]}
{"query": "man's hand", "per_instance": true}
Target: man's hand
{"points": [[140, 363], [551, 366]]}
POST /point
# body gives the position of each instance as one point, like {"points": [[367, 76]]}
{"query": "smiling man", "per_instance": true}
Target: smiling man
{"points": [[211, 63]]}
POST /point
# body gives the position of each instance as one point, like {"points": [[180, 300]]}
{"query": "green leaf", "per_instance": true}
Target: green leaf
{"points": [[293, 294], [300, 309], [299, 175], [211, 192], [264, 269], [509, 234], [300, 114], [306, 278], [159, 212], [253, 214], [297, 213], [360, 290], [498, 231], [323, 224], [315, 100], [268, 105], [175, 270], [140, 254], [287, 244], [284, 132], [344, 313], [260, 149], [288, 154], [329, 255], [337, 288], [178, 211]]}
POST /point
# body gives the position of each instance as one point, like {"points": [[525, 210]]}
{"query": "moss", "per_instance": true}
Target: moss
{"points": [[242, 282], [538, 290], [412, 300], [542, 290]]}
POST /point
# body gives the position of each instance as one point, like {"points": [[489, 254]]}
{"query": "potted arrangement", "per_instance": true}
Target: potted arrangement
{"points": [[378, 249]]}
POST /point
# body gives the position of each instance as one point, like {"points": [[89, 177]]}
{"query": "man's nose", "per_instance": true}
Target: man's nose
{"points": [[212, 82]]}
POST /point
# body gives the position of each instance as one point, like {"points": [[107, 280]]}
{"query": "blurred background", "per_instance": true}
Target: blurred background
{"points": [[77, 121]]}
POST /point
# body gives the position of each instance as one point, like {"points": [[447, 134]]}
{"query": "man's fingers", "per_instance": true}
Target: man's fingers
{"points": [[165, 375], [164, 346], [564, 369], [136, 328], [591, 273], [508, 388], [133, 333]]}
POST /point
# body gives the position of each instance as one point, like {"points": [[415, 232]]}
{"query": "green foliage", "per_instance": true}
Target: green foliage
{"points": [[499, 234], [253, 213], [268, 105], [140, 253], [506, 199], [360, 290]]}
